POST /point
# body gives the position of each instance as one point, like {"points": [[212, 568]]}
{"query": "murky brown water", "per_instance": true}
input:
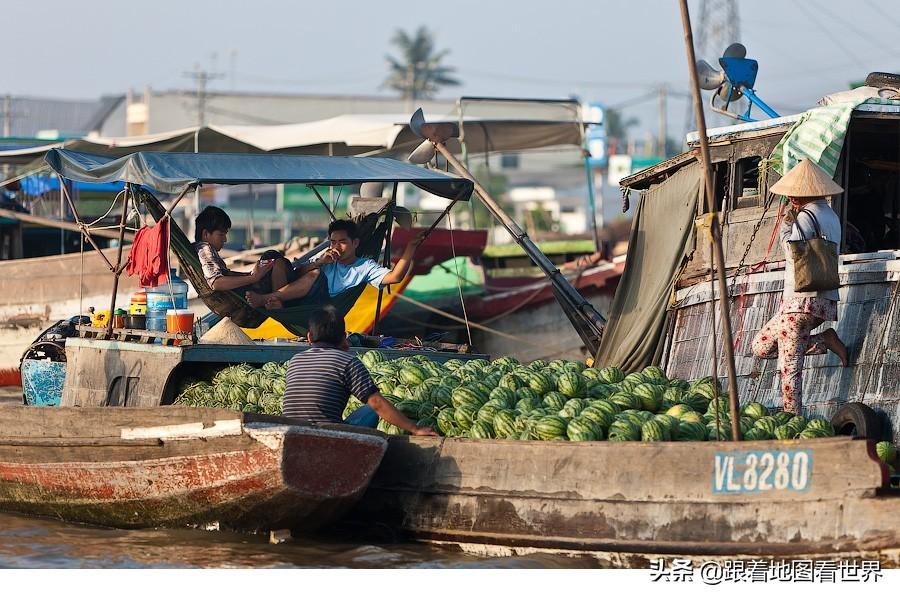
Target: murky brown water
{"points": [[44, 543]]}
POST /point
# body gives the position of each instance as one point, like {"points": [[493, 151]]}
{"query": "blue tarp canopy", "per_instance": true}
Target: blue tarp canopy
{"points": [[172, 172]]}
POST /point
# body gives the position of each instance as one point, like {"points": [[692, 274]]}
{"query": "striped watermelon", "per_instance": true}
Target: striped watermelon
{"points": [[505, 424], [785, 432], [692, 417], [808, 434], [581, 429], [654, 372], [678, 410], [371, 358], [451, 381], [799, 423], [691, 432], [674, 395], [465, 416], [591, 374], [626, 400], [554, 401], [446, 420], [505, 395], [611, 375], [481, 430], [412, 375], [655, 431], [511, 381], [600, 390], [886, 451], [572, 408], [624, 431], [571, 385], [486, 413], [441, 395], [756, 434], [410, 408], [427, 409], [724, 430], [526, 405], [668, 421], [821, 425], [600, 417], [537, 365], [551, 427], [540, 383], [755, 410], [606, 405], [453, 364], [557, 365], [705, 388], [465, 396], [651, 396], [523, 393]]}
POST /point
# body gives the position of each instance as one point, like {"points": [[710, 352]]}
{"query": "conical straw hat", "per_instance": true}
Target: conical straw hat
{"points": [[806, 180]]}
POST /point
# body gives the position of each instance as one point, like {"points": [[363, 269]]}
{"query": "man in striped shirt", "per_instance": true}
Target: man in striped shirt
{"points": [[319, 382]]}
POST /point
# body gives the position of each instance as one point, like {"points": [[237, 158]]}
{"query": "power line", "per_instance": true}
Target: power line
{"points": [[848, 23], [832, 38], [201, 79]]}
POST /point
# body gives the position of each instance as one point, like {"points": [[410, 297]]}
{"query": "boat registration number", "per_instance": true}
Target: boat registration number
{"points": [[745, 472]]}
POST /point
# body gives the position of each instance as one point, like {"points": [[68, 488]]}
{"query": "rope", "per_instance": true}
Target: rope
{"points": [[462, 300]]}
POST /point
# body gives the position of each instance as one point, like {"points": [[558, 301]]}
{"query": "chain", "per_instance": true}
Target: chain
{"points": [[742, 266]]}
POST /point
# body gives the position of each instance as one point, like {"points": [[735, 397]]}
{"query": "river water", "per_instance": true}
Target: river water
{"points": [[27, 542]]}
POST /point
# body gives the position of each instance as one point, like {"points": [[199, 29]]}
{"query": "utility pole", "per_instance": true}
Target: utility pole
{"points": [[7, 115], [663, 121], [201, 80]]}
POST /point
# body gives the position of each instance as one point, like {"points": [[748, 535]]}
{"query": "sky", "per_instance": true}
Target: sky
{"points": [[614, 52]]}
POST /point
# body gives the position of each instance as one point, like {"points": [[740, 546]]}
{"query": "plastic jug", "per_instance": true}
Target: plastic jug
{"points": [[168, 295]]}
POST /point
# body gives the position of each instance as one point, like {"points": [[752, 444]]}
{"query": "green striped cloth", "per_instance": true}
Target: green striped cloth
{"points": [[819, 136]]}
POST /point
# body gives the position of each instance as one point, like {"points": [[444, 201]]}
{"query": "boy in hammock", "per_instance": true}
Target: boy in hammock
{"points": [[334, 271], [211, 234]]}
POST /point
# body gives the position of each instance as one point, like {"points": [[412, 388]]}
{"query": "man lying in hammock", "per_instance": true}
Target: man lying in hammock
{"points": [[334, 271]]}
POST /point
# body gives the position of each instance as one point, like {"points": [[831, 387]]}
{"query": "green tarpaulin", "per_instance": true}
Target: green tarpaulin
{"points": [[661, 238]]}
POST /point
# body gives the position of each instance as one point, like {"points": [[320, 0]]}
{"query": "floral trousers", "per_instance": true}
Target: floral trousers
{"points": [[787, 336]]}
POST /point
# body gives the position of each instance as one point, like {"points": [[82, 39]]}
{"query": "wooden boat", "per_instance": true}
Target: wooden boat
{"points": [[625, 503], [170, 466]]}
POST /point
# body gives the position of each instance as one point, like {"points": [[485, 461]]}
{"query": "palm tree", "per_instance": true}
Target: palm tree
{"points": [[418, 72]]}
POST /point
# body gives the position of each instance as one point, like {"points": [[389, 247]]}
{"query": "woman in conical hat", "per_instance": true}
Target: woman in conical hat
{"points": [[788, 334]]}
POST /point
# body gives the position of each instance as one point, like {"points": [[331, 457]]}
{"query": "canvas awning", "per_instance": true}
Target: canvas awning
{"points": [[345, 135], [172, 172]]}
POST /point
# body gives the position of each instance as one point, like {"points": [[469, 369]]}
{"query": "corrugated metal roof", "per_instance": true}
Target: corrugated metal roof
{"points": [[69, 117]]}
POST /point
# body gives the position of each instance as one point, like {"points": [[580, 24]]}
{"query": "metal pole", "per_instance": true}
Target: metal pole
{"points": [[573, 297], [62, 215], [592, 203], [118, 272], [663, 120], [387, 255], [715, 230]]}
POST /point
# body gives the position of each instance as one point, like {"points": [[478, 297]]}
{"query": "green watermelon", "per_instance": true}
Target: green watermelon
{"points": [[722, 434], [755, 410], [540, 383], [756, 435], [537, 365], [651, 396], [412, 375], [571, 385], [446, 420], [371, 358], [678, 410], [551, 427], [808, 434], [785, 432], [487, 413], [511, 381], [654, 372], [705, 388], [799, 423], [624, 431], [523, 393], [691, 432], [581, 429], [410, 408], [821, 425], [598, 416], [505, 395], [783, 417], [526, 405], [600, 390], [691, 417], [505, 424], [606, 406], [464, 396], [591, 374], [611, 375], [482, 430], [654, 431], [626, 400], [465, 416], [886, 451], [673, 395]]}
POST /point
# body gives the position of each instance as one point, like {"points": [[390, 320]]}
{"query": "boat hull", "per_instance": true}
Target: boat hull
{"points": [[629, 502], [173, 466]]}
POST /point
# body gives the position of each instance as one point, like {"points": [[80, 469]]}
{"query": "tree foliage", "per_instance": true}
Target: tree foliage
{"points": [[417, 71]]}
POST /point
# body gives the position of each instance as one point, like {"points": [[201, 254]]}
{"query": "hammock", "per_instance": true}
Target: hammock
{"points": [[372, 230]]}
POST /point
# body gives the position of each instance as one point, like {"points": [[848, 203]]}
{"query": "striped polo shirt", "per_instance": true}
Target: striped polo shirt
{"points": [[320, 380]]}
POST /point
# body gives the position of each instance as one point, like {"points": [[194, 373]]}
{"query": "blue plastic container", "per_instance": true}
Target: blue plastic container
{"points": [[169, 295], [156, 320]]}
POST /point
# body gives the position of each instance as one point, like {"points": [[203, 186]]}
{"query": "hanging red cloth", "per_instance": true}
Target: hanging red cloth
{"points": [[148, 256]]}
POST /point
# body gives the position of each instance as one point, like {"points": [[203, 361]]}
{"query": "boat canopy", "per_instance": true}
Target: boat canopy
{"points": [[172, 172]]}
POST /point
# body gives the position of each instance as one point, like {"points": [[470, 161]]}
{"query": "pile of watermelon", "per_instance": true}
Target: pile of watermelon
{"points": [[239, 387], [566, 400]]}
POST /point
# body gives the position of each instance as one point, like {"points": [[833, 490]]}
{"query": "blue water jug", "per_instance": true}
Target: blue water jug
{"points": [[166, 296], [156, 320]]}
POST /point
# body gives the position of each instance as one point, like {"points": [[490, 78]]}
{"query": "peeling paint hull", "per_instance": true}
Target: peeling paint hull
{"points": [[625, 503], [255, 476]]}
